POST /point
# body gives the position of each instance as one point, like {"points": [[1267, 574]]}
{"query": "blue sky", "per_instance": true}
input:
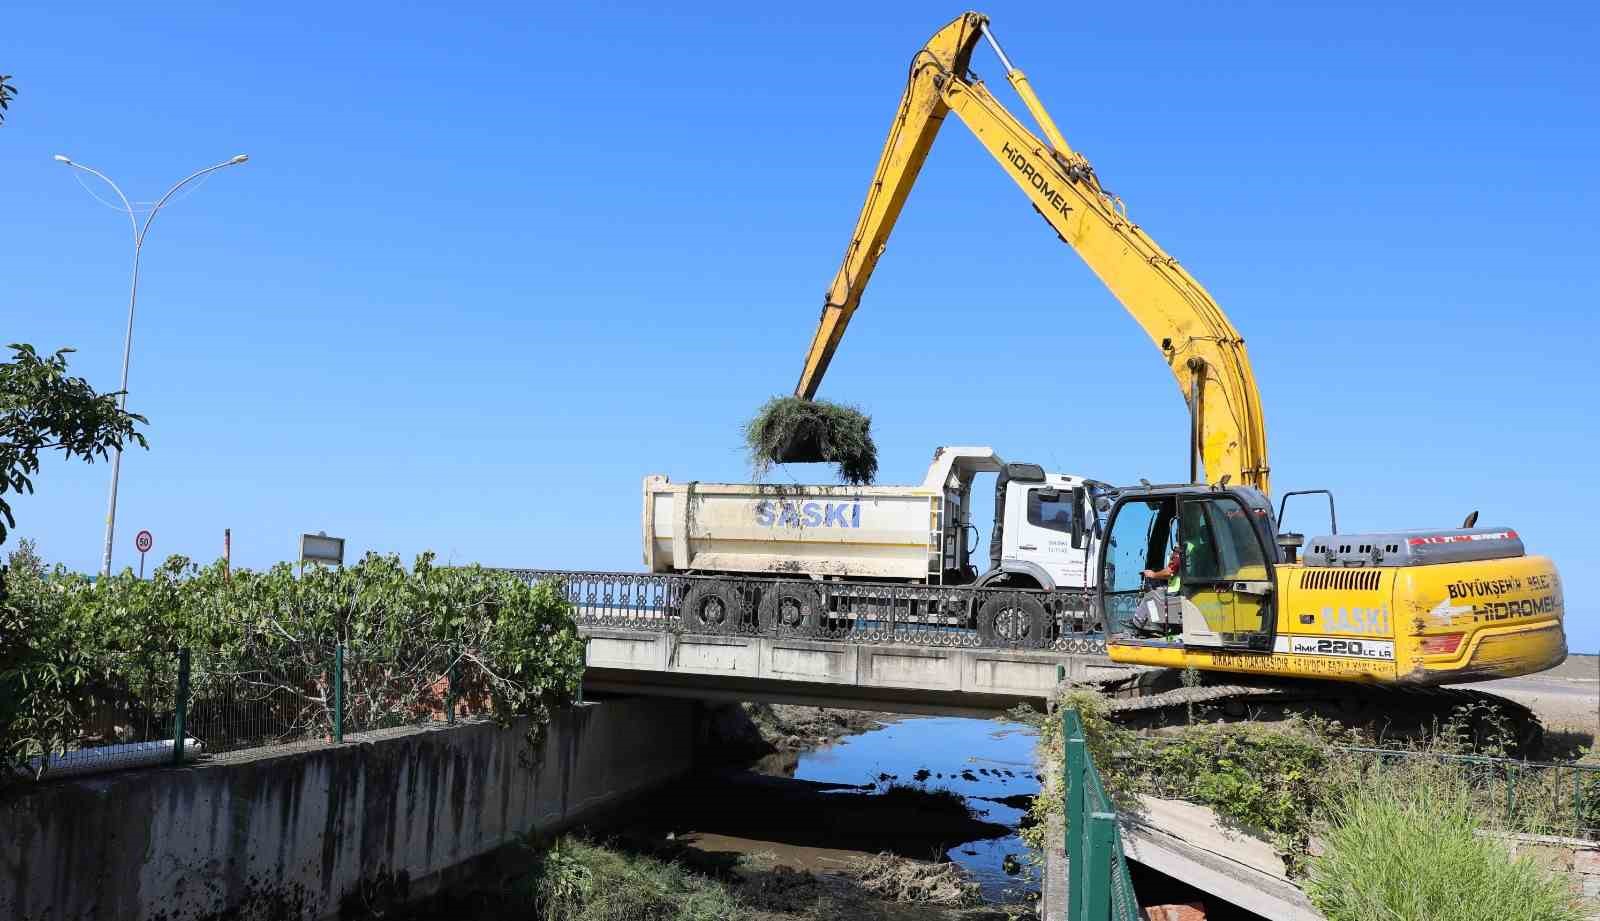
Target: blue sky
{"points": [[487, 267]]}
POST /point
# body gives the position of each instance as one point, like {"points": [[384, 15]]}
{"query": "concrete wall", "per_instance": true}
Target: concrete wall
{"points": [[290, 834]]}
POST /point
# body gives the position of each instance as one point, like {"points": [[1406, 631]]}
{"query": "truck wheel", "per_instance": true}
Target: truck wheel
{"points": [[791, 608], [712, 604], [1013, 620]]}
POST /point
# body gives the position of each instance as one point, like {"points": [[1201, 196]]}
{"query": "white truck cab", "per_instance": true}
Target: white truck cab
{"points": [[1044, 530]]}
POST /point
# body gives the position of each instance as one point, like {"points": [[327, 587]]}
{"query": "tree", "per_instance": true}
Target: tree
{"points": [[42, 409], [7, 93]]}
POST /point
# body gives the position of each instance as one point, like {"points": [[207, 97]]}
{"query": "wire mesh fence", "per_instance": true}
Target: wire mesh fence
{"points": [[1535, 797], [125, 717], [235, 707], [153, 709]]}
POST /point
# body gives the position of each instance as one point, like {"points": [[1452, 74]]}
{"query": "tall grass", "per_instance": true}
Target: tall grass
{"points": [[576, 880], [1404, 845]]}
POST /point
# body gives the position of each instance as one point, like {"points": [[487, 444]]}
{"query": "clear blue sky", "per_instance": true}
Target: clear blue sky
{"points": [[491, 264]]}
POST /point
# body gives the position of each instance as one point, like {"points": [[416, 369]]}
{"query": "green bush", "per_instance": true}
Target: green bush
{"points": [[68, 645], [576, 880], [789, 429], [1397, 850], [1267, 778]]}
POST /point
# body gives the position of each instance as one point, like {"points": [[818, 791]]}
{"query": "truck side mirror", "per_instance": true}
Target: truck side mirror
{"points": [[1080, 510]]}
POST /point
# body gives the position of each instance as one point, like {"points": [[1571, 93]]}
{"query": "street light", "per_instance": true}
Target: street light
{"points": [[133, 294]]}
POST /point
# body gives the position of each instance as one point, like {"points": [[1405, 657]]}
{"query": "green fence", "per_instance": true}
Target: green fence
{"points": [[171, 707], [1538, 797], [1098, 885]]}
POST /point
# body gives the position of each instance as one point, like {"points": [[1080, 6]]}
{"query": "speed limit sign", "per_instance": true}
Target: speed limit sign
{"points": [[144, 540]]}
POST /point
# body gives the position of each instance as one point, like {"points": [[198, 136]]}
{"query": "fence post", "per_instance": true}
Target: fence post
{"points": [[1102, 843], [181, 712], [450, 691], [338, 693], [1072, 795]]}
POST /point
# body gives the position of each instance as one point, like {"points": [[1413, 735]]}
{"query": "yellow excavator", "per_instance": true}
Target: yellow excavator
{"points": [[1197, 574]]}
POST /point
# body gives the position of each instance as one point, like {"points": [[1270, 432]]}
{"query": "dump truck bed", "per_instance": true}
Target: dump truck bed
{"points": [[857, 532]]}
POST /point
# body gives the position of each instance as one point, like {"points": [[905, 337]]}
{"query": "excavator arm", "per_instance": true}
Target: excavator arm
{"points": [[1204, 351]]}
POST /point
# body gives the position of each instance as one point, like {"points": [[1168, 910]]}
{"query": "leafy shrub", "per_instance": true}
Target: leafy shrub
{"points": [[1268, 778], [68, 645], [789, 429], [1399, 851]]}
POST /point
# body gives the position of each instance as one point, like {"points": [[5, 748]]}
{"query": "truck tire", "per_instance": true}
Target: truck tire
{"points": [[712, 604], [792, 608], [1013, 620]]}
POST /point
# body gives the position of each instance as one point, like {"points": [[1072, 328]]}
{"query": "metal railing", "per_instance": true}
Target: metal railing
{"points": [[848, 612], [1537, 797], [155, 710], [1099, 887]]}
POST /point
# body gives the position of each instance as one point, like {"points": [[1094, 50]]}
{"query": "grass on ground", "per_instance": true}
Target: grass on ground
{"points": [[1408, 848], [576, 880]]}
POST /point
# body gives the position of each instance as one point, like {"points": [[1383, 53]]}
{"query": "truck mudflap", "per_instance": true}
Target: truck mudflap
{"points": [[1480, 620]]}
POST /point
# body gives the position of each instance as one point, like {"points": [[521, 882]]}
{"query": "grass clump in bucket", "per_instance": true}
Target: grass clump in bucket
{"points": [[792, 430]]}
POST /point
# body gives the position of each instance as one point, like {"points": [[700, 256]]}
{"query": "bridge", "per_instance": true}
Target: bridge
{"points": [[902, 648]]}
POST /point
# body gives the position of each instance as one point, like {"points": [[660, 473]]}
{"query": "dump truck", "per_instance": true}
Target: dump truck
{"points": [[1043, 536]]}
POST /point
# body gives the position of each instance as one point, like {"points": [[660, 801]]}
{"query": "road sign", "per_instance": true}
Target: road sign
{"points": [[320, 548], [144, 540]]}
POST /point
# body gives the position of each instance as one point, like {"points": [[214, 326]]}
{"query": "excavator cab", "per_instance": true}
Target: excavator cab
{"points": [[1219, 595]]}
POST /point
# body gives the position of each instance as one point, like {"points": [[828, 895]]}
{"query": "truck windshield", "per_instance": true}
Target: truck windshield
{"points": [[1054, 512]]}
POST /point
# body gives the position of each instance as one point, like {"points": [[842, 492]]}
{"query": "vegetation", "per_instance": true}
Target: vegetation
{"points": [[8, 92], [70, 647], [1389, 821], [42, 409], [792, 430], [1398, 850], [576, 880]]}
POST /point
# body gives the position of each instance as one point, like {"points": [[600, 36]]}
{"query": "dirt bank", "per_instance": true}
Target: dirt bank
{"points": [[751, 731]]}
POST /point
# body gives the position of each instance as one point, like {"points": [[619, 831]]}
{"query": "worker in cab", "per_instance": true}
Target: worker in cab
{"points": [[1160, 610]]}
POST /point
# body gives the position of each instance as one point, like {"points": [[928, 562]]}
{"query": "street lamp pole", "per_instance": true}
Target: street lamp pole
{"points": [[133, 296]]}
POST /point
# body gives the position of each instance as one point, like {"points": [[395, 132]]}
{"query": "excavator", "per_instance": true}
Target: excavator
{"points": [[1196, 575]]}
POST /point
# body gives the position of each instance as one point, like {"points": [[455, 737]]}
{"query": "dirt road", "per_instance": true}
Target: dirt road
{"points": [[1566, 697]]}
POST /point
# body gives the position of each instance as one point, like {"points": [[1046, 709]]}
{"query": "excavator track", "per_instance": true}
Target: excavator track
{"points": [[1157, 698]]}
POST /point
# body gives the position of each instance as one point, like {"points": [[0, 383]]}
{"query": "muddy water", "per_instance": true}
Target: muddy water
{"points": [[989, 764], [824, 809]]}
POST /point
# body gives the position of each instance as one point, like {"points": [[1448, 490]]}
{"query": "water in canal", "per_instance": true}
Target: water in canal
{"points": [[989, 763]]}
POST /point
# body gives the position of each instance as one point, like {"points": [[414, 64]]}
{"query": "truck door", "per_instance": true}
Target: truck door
{"points": [[1043, 518]]}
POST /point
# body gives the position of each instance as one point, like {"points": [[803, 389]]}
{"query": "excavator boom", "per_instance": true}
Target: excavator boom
{"points": [[1202, 348]]}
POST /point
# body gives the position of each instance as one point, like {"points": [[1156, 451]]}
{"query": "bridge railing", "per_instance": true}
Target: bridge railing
{"points": [[1099, 887], [850, 612]]}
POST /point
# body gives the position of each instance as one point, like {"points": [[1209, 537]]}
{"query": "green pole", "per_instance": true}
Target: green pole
{"points": [[338, 693], [450, 692], [181, 713], [1072, 793], [1102, 836]]}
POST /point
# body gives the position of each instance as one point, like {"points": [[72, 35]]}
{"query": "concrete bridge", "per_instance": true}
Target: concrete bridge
{"points": [[898, 647], [903, 678]]}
